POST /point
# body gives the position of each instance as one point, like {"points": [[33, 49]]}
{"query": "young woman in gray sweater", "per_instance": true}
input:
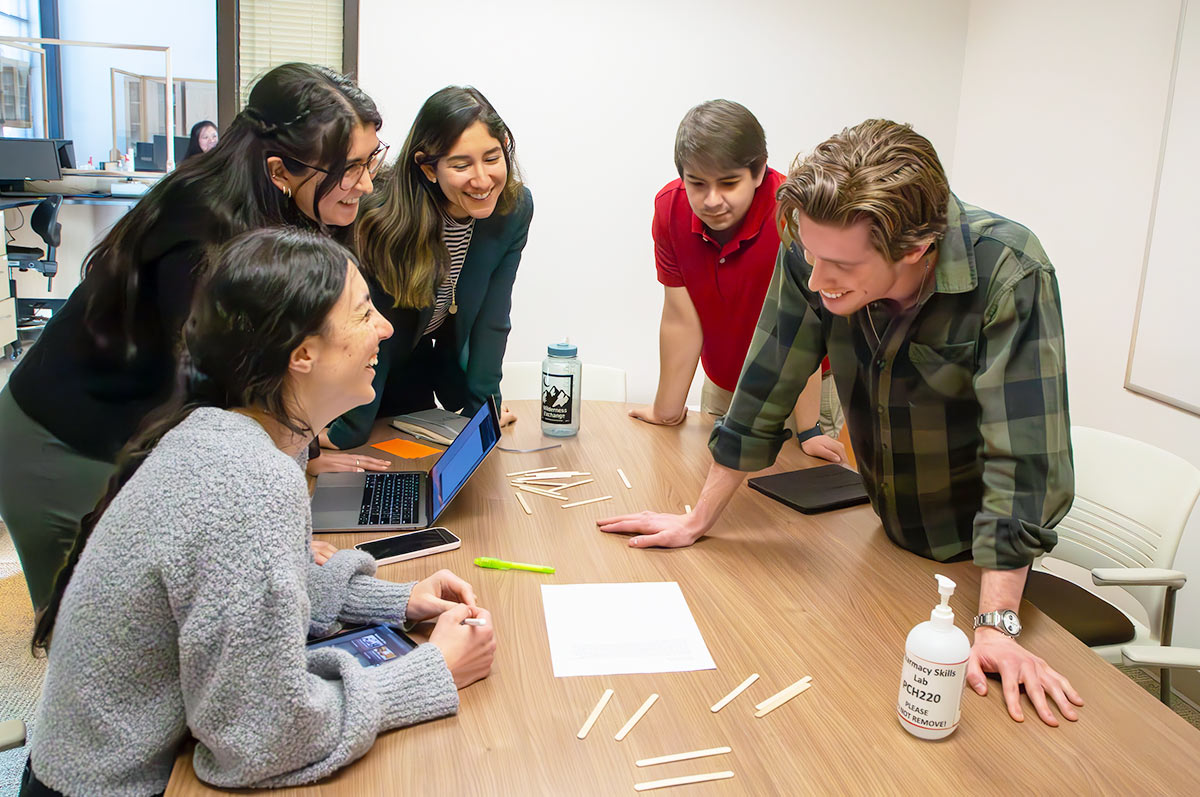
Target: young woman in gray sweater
{"points": [[186, 604]]}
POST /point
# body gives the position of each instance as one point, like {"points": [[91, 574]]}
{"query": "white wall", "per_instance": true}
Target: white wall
{"points": [[1060, 128], [188, 28], [594, 92]]}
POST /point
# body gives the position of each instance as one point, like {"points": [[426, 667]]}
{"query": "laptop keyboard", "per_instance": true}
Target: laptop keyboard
{"points": [[390, 498]]}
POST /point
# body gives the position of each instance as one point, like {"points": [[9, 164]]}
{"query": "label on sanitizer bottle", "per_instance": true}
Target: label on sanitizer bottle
{"points": [[930, 694]]}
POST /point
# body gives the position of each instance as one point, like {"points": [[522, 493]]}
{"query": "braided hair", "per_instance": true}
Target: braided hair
{"points": [[300, 113]]}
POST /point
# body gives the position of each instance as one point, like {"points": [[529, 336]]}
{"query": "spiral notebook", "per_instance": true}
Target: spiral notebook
{"points": [[814, 490]]}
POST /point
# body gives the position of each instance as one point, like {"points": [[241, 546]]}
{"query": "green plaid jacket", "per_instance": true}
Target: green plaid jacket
{"points": [[958, 416]]}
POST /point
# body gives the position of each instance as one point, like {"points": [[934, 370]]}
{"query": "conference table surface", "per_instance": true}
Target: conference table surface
{"points": [[774, 592]]}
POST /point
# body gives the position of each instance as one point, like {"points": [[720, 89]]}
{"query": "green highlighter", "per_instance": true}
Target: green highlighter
{"points": [[500, 564]]}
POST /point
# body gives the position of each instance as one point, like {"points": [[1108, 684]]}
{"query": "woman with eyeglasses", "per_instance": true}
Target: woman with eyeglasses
{"points": [[301, 153], [440, 242]]}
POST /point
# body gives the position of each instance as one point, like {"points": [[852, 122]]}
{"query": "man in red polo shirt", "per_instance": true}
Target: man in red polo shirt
{"points": [[715, 244]]}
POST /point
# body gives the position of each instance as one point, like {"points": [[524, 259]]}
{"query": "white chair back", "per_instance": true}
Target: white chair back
{"points": [[523, 380], [1132, 501]]}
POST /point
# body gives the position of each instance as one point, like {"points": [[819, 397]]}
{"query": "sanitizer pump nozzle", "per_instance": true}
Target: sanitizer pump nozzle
{"points": [[942, 614]]}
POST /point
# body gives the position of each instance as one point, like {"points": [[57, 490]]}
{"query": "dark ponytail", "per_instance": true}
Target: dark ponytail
{"points": [[298, 112], [264, 294]]}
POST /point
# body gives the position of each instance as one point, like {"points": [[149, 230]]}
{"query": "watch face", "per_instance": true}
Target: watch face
{"points": [[1010, 623]]}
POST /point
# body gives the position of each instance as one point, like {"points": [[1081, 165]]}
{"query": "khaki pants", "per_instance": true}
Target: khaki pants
{"points": [[715, 401]]}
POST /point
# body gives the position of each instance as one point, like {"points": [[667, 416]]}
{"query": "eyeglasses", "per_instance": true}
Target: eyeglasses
{"points": [[354, 171]]}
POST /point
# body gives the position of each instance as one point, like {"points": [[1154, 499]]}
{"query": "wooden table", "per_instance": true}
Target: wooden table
{"points": [[773, 592]]}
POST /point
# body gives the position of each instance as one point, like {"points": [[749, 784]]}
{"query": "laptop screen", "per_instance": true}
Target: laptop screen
{"points": [[460, 460]]}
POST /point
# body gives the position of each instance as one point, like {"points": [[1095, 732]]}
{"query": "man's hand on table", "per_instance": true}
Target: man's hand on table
{"points": [[334, 461], [650, 415], [507, 416], [996, 652], [655, 529], [824, 447]]}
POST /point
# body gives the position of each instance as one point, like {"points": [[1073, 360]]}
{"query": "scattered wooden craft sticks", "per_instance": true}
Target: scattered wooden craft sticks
{"points": [[637, 715], [667, 759], [591, 720], [737, 690], [588, 501], [682, 781], [778, 699]]}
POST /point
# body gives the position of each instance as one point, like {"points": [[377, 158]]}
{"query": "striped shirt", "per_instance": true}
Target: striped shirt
{"points": [[958, 415], [456, 235]]}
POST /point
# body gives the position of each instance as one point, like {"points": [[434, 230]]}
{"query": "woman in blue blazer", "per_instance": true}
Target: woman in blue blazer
{"points": [[440, 241]]}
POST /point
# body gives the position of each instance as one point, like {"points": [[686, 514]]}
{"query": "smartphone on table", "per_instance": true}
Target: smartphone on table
{"points": [[410, 545]]}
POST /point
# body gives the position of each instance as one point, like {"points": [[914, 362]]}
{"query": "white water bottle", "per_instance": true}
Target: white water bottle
{"points": [[562, 376], [934, 672]]}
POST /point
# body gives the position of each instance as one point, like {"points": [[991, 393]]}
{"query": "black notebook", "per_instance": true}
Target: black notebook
{"points": [[814, 490]]}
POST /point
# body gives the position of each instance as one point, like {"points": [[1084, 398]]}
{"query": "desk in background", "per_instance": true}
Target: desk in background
{"points": [[773, 592]]}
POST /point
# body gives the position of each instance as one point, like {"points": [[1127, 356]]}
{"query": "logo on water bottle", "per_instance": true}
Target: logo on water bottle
{"points": [[557, 397]]}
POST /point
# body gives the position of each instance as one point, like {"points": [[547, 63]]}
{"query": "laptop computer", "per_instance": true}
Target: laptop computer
{"points": [[406, 500]]}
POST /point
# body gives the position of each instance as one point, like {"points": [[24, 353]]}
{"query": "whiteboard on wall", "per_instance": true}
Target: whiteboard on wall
{"points": [[1164, 354]]}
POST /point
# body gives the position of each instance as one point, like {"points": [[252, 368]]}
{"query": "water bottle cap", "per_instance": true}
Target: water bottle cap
{"points": [[562, 349]]}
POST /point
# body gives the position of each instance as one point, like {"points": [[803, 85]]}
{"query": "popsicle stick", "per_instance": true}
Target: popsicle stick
{"points": [[687, 509], [667, 759], [783, 697], [531, 470], [537, 484], [625, 479], [637, 715], [537, 477], [576, 484], [588, 501], [525, 506], [737, 690], [537, 491], [591, 720], [767, 702], [682, 781]]}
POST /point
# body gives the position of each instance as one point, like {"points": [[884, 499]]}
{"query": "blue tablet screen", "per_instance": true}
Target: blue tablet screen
{"points": [[372, 646]]}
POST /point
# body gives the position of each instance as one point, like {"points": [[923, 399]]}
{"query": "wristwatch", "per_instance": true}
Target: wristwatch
{"points": [[1006, 621]]}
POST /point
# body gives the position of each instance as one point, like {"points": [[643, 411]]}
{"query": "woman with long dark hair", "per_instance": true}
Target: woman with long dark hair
{"points": [[302, 152], [185, 603], [203, 138], [440, 243]]}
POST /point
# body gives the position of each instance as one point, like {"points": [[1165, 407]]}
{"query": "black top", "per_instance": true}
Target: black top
{"points": [[88, 401]]}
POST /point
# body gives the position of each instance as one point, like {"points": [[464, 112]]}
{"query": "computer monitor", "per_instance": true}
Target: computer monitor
{"points": [[66, 152], [24, 159], [160, 151], [143, 156]]}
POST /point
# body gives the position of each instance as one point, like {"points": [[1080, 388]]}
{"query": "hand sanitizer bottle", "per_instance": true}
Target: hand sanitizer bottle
{"points": [[934, 671]]}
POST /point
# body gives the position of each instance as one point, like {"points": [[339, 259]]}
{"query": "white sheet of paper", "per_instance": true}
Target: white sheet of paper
{"points": [[616, 629]]}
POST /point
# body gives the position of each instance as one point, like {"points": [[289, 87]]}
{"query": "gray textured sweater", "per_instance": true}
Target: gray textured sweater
{"points": [[189, 610]]}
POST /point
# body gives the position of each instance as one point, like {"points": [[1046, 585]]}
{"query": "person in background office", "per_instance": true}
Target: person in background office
{"points": [[203, 138], [186, 601], [440, 242], [302, 153], [943, 325], [715, 243]]}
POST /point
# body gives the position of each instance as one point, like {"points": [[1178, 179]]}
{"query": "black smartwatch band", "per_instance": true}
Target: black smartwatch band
{"points": [[808, 434]]}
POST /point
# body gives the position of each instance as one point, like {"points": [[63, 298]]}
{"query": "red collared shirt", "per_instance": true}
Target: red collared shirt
{"points": [[727, 283]]}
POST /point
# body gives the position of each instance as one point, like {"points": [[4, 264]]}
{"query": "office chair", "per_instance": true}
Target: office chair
{"points": [[45, 223], [1132, 501], [523, 380]]}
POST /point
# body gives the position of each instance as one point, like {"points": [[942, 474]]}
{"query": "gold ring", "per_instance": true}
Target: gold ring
{"points": [[356, 462]]}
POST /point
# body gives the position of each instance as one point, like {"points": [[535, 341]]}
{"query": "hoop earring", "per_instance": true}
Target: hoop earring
{"points": [[287, 191]]}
